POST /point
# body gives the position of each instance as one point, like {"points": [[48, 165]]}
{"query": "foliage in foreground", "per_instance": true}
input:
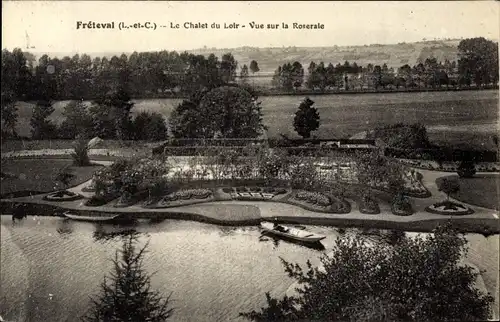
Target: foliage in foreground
{"points": [[418, 279], [126, 295]]}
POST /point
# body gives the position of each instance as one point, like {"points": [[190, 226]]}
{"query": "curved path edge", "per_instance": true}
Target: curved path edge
{"points": [[485, 225]]}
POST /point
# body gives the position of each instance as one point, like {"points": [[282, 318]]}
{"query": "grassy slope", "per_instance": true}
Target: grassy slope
{"points": [[482, 190], [39, 175]]}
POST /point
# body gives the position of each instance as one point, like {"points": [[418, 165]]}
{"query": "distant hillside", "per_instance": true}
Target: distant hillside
{"points": [[394, 55]]}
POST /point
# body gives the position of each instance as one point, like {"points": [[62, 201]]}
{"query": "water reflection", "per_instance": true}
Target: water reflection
{"points": [[104, 233], [65, 227], [225, 231]]}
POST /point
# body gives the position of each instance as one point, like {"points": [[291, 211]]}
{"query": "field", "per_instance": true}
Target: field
{"points": [[458, 118], [482, 190], [39, 175]]}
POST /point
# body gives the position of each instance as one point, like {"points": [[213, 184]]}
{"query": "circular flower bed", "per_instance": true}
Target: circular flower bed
{"points": [[63, 195], [449, 208]]}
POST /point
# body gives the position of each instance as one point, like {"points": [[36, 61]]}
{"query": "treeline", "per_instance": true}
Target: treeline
{"points": [[477, 64], [108, 117], [143, 74], [164, 73]]}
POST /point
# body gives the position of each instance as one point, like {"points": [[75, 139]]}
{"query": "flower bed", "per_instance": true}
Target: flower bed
{"points": [[184, 196], [368, 206], [97, 201], [254, 193], [402, 207], [449, 208], [314, 198], [318, 201], [63, 195]]}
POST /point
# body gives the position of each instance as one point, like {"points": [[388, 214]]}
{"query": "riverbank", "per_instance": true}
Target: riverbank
{"points": [[243, 213]]}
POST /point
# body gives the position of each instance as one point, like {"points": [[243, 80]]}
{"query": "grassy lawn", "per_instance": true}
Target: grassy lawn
{"points": [[481, 190], [38, 175], [449, 115]]}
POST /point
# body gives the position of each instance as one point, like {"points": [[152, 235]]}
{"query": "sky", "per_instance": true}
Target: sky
{"points": [[51, 25]]}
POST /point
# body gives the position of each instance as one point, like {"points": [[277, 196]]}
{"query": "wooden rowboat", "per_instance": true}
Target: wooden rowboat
{"points": [[291, 232], [78, 217]]}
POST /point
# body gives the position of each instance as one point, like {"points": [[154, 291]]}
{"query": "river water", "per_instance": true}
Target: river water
{"points": [[50, 266]]}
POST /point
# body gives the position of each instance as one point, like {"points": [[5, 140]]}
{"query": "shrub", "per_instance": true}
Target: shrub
{"points": [[96, 201], [395, 236], [150, 126], [41, 127], [158, 188], [255, 189], [241, 189], [65, 176], [227, 190], [268, 190], [466, 169], [401, 206], [80, 154], [368, 205], [448, 186], [280, 191]]}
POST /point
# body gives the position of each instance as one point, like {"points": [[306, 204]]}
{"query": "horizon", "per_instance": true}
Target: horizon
{"points": [[50, 27], [106, 53]]}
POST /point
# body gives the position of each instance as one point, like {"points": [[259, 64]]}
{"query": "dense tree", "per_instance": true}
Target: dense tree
{"points": [[478, 61], [244, 74], [289, 76], [9, 113], [126, 295], [306, 118], [41, 126], [377, 76], [254, 67], [111, 115], [78, 121], [228, 67], [384, 282], [224, 112], [149, 126], [404, 136], [185, 118], [297, 74]]}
